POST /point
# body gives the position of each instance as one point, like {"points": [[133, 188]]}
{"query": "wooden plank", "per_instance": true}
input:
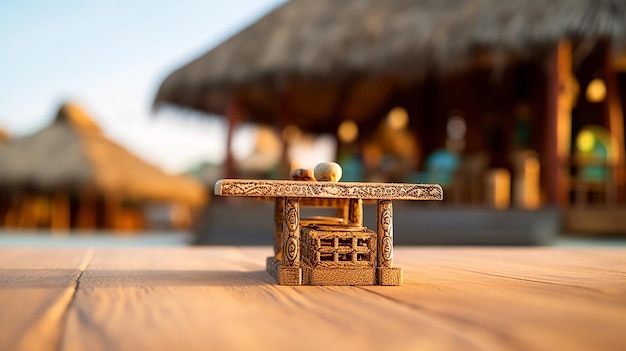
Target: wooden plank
{"points": [[330, 190], [465, 299], [36, 288], [520, 298], [200, 299]]}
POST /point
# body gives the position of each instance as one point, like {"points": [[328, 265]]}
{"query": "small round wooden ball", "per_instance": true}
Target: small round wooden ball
{"points": [[327, 172]]}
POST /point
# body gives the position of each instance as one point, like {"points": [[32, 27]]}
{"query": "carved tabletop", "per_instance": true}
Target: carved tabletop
{"points": [[330, 190], [364, 261]]}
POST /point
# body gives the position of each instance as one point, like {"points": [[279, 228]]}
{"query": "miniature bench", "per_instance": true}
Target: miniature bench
{"points": [[331, 252]]}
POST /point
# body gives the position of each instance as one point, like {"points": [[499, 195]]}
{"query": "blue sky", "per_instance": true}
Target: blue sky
{"points": [[110, 57]]}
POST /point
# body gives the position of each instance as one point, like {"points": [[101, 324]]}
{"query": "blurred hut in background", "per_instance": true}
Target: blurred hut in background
{"points": [[70, 176], [503, 100], [264, 157], [4, 136], [4, 202]]}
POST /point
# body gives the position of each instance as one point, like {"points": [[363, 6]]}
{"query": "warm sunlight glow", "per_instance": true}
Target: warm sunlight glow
{"points": [[596, 90], [585, 141], [532, 196], [348, 131], [499, 188], [398, 118]]}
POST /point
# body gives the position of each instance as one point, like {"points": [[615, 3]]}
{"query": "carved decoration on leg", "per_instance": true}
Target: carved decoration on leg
{"points": [[279, 209], [385, 233], [387, 274], [290, 272], [291, 234]]}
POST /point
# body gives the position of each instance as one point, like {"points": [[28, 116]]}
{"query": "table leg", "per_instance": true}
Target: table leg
{"points": [[290, 272], [384, 228], [387, 274], [343, 211], [355, 215], [279, 208]]}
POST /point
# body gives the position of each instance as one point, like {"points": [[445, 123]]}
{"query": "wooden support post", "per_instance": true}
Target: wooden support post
{"points": [[112, 205], [562, 91], [387, 274], [60, 211], [87, 217], [234, 115], [290, 272], [279, 209], [343, 211], [615, 115], [12, 215], [355, 211], [384, 223], [285, 118], [25, 211]]}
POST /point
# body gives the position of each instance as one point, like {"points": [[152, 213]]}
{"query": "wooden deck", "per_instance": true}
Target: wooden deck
{"points": [[222, 299]]}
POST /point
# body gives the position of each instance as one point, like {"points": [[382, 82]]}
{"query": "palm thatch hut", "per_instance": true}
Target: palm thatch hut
{"points": [[69, 175], [318, 63]]}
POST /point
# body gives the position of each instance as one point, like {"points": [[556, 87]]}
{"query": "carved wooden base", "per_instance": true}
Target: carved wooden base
{"points": [[337, 254], [390, 276], [307, 275], [339, 276]]}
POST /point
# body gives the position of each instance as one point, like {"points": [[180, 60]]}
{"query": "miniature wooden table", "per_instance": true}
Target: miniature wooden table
{"points": [[221, 298], [322, 254]]}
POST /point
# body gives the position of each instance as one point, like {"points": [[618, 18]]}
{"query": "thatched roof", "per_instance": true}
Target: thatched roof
{"points": [[309, 46], [73, 154]]}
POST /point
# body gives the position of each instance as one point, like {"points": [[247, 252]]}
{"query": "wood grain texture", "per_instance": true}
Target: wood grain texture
{"points": [[330, 190], [36, 289], [355, 211], [222, 298]]}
